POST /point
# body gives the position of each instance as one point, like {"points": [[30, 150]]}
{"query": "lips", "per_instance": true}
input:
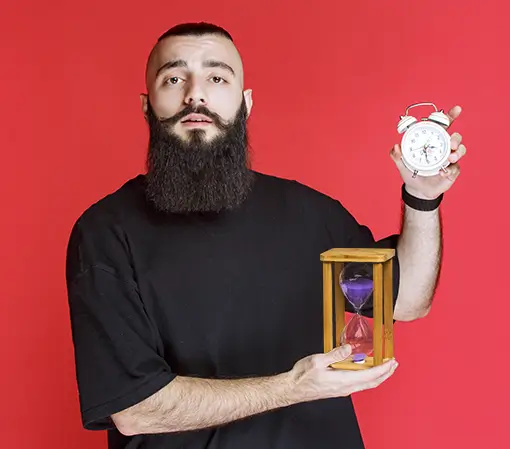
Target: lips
{"points": [[196, 118]]}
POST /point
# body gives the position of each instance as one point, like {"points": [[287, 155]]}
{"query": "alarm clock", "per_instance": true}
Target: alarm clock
{"points": [[425, 144]]}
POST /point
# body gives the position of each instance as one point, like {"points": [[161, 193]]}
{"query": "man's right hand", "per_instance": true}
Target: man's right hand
{"points": [[192, 403], [312, 377]]}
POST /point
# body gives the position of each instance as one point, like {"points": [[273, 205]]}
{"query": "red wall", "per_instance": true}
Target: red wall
{"points": [[329, 85]]}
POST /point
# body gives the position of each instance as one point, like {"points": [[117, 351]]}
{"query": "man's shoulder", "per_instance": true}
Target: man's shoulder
{"points": [[295, 190], [117, 206]]}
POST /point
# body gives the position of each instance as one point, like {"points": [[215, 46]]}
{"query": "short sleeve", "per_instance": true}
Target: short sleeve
{"points": [[345, 231], [118, 354]]}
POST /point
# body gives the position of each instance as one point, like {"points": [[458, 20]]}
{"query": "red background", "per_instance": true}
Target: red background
{"points": [[328, 86]]}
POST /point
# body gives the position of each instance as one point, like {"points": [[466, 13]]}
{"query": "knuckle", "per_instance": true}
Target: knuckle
{"points": [[316, 361], [454, 170]]}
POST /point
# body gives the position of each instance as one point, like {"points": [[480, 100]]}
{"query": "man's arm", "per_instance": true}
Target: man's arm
{"points": [[189, 403], [420, 250], [420, 245]]}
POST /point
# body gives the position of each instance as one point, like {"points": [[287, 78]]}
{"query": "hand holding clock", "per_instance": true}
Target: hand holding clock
{"points": [[431, 187]]}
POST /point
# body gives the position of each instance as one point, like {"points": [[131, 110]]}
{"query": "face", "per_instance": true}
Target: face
{"points": [[196, 111], [188, 72]]}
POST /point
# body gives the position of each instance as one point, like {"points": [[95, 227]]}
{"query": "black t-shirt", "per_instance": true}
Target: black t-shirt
{"points": [[235, 294]]}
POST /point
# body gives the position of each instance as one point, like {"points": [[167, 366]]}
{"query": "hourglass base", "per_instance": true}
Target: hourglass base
{"points": [[349, 364]]}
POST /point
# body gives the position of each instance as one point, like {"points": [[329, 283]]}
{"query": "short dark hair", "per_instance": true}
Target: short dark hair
{"points": [[195, 29]]}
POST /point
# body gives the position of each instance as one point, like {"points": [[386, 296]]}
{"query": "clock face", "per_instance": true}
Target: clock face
{"points": [[426, 146]]}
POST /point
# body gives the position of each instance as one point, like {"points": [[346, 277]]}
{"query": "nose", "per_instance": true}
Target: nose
{"points": [[195, 94]]}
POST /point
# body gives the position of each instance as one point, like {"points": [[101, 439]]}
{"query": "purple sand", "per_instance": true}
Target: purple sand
{"points": [[357, 290], [358, 357]]}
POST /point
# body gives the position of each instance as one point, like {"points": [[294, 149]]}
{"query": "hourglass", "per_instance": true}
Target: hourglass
{"points": [[355, 275], [357, 285]]}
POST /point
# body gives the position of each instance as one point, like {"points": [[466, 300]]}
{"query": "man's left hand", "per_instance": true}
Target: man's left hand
{"points": [[433, 186]]}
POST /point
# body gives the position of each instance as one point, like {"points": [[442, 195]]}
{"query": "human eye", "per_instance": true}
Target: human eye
{"points": [[172, 80], [217, 79]]}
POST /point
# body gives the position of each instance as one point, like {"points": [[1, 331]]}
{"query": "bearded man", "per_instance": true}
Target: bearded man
{"points": [[195, 289]]}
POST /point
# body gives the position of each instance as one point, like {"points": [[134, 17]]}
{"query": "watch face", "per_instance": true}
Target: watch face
{"points": [[426, 146]]}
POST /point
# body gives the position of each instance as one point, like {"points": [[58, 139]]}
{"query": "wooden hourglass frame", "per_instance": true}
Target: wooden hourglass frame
{"points": [[333, 262]]}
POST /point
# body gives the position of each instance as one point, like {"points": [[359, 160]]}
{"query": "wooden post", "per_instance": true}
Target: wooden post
{"points": [[327, 275], [378, 312], [388, 308], [339, 303]]}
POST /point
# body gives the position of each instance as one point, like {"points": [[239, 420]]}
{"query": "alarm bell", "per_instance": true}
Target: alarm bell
{"points": [[438, 117]]}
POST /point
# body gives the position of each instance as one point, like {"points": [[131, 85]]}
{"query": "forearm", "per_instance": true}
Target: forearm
{"points": [[420, 251], [192, 403]]}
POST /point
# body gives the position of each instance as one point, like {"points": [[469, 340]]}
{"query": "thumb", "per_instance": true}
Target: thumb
{"points": [[338, 354], [396, 156]]}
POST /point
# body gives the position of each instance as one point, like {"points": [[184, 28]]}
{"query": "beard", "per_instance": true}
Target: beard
{"points": [[195, 175]]}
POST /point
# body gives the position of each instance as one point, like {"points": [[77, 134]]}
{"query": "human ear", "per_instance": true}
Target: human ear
{"points": [[143, 102], [248, 100]]}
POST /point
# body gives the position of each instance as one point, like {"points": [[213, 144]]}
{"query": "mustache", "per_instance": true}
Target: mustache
{"points": [[189, 109]]}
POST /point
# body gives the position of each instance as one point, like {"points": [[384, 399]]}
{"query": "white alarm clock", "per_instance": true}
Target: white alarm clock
{"points": [[425, 144]]}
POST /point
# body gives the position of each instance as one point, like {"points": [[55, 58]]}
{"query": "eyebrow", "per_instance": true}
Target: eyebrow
{"points": [[182, 63]]}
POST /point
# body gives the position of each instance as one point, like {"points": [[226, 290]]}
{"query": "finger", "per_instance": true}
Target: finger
{"points": [[337, 354], [375, 382], [454, 113], [451, 172], [456, 155], [396, 152], [380, 371], [372, 374], [455, 141]]}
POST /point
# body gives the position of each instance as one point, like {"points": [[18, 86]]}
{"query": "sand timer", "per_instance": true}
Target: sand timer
{"points": [[357, 285], [355, 276]]}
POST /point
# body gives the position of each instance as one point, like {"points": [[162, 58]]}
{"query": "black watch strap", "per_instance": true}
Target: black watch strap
{"points": [[419, 203]]}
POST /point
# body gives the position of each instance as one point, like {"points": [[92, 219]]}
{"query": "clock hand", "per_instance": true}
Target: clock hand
{"points": [[427, 146]]}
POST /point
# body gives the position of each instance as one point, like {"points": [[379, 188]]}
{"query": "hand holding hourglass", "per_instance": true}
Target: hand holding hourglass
{"points": [[312, 377]]}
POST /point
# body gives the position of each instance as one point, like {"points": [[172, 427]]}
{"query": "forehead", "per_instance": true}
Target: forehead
{"points": [[194, 50]]}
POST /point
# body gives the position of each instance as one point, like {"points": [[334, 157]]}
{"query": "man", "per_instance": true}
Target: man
{"points": [[195, 290]]}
